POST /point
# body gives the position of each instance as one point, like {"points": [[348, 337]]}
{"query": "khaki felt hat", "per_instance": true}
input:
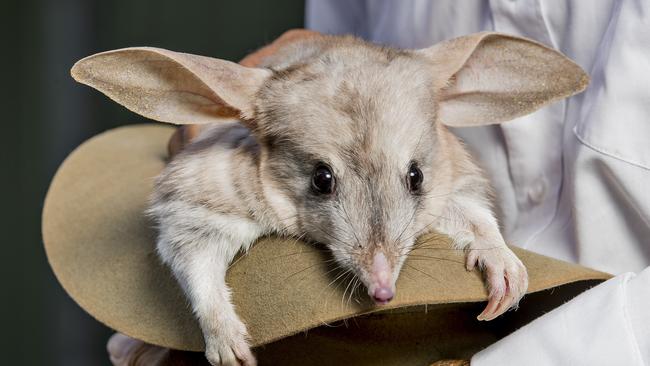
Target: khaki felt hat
{"points": [[297, 307]]}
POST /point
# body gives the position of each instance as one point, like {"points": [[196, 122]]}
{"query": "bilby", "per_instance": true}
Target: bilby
{"points": [[338, 141]]}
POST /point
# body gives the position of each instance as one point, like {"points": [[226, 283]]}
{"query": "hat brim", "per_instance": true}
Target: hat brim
{"points": [[102, 250]]}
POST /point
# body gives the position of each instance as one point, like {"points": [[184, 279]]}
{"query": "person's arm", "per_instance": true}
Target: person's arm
{"points": [[607, 325], [337, 17]]}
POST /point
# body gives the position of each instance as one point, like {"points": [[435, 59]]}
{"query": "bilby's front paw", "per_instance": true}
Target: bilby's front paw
{"points": [[506, 278], [228, 345]]}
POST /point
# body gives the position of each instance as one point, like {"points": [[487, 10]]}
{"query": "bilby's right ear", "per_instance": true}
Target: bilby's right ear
{"points": [[173, 87], [491, 78]]}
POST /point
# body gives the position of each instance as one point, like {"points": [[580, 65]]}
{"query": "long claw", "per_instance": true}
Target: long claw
{"points": [[489, 310], [506, 280]]}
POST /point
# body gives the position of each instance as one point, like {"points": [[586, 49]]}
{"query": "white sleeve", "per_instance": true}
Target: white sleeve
{"points": [[606, 325], [337, 17]]}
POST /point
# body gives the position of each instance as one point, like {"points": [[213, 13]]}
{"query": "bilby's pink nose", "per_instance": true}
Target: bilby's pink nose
{"points": [[383, 295], [381, 288]]}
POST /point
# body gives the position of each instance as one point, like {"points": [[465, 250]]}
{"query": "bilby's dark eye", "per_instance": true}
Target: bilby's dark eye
{"points": [[322, 180], [414, 178]]}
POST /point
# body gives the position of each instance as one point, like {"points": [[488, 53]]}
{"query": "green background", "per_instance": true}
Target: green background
{"points": [[45, 115]]}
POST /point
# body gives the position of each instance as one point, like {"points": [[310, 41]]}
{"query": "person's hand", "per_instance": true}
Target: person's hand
{"points": [[126, 351], [451, 363], [186, 133]]}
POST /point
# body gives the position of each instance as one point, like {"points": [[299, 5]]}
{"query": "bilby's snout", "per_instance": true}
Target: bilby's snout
{"points": [[381, 287], [383, 295]]}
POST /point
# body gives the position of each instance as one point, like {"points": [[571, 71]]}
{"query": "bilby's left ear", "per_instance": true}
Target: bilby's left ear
{"points": [[490, 78], [173, 87]]}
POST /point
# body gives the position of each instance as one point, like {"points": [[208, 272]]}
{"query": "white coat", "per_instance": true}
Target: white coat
{"points": [[573, 179]]}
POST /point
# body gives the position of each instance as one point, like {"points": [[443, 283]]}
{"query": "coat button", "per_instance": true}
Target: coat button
{"points": [[537, 191]]}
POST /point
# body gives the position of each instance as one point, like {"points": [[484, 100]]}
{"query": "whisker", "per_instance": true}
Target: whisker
{"points": [[302, 270], [397, 240], [300, 252], [346, 289], [329, 286], [331, 236], [425, 257], [349, 221], [424, 273], [354, 289], [454, 249]]}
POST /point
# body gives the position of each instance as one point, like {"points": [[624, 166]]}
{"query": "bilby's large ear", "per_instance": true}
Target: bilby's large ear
{"points": [[490, 78], [172, 87]]}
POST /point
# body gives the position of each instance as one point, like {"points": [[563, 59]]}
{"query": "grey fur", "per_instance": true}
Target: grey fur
{"points": [[366, 111]]}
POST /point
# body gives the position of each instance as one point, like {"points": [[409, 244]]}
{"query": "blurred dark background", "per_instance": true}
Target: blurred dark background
{"points": [[45, 115]]}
